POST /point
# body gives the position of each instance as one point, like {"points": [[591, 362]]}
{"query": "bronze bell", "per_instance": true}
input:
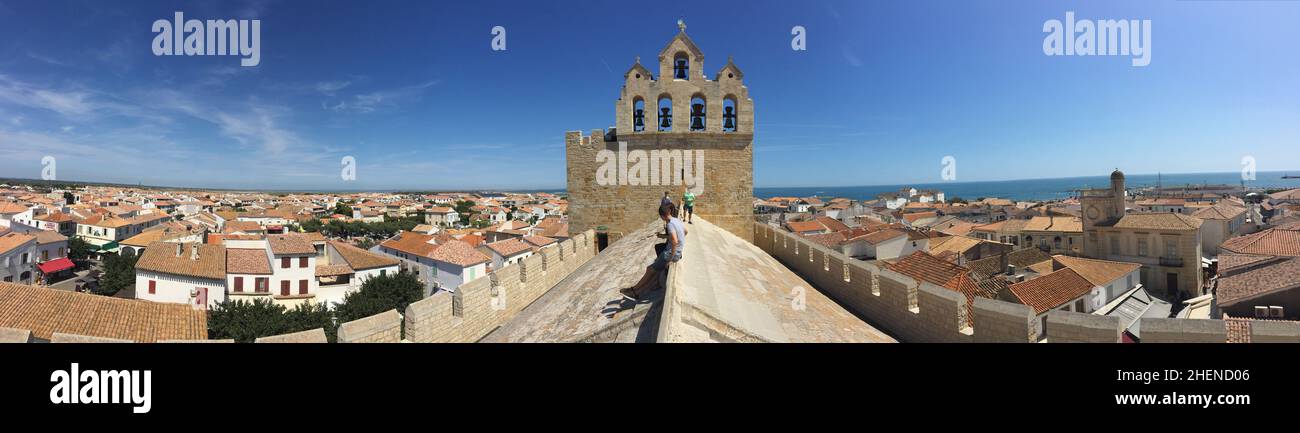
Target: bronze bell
{"points": [[679, 70], [729, 118], [697, 117], [665, 118], [638, 120]]}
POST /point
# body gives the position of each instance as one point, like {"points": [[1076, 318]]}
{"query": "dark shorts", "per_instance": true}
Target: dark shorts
{"points": [[663, 256], [690, 208]]}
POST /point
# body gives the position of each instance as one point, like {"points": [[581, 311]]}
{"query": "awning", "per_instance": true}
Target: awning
{"points": [[55, 265]]}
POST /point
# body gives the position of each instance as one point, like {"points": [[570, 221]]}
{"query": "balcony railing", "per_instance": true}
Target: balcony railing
{"points": [[1175, 262]]}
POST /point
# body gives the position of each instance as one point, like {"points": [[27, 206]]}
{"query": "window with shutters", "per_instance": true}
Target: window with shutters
{"points": [[284, 263], [153, 287], [262, 285], [302, 287], [302, 262], [239, 284], [284, 288]]}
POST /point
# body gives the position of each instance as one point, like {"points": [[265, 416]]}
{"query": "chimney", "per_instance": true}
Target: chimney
{"points": [[179, 249], [194, 251], [1011, 270], [1002, 260]]}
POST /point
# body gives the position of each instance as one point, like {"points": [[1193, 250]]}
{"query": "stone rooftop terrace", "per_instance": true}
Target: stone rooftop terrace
{"points": [[724, 289]]}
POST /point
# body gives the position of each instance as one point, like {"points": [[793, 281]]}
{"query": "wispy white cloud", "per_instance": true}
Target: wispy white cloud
{"points": [[330, 88], [370, 102]]}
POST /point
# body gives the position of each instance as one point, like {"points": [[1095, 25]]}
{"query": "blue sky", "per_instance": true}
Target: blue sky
{"points": [[413, 91]]}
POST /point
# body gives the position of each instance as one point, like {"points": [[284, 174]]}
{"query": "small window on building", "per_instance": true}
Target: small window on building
{"points": [[239, 284], [153, 287], [284, 288], [284, 263], [302, 287], [302, 262]]}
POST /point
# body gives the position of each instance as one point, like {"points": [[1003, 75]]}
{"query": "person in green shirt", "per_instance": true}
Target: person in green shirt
{"points": [[688, 205]]}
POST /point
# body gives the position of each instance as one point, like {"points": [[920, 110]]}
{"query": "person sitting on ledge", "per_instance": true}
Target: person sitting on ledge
{"points": [[665, 253]]}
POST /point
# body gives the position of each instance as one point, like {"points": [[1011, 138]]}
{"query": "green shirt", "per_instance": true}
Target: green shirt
{"points": [[688, 198]]}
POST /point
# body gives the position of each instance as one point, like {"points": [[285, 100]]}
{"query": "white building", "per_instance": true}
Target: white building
{"points": [[17, 258], [193, 274]]}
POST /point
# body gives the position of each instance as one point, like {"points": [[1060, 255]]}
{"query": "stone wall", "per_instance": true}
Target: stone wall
{"points": [[727, 197], [917, 311], [480, 306]]}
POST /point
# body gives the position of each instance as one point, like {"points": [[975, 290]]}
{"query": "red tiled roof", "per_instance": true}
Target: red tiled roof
{"points": [[459, 253], [1273, 242], [1051, 290]]}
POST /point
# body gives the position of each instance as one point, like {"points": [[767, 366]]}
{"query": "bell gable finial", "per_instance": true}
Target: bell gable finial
{"points": [[681, 25]]}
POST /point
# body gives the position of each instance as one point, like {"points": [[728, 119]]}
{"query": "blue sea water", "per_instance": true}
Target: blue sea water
{"points": [[1036, 189]]}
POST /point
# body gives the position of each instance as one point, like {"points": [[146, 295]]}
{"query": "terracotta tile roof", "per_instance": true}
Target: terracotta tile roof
{"points": [[292, 243], [914, 217], [537, 241], [459, 253], [1238, 329], [9, 241], [55, 217], [161, 257], [1051, 290], [1054, 224], [46, 311], [1158, 221], [359, 259], [831, 224], [412, 243], [1281, 276], [1273, 242], [333, 270], [247, 261], [956, 244], [473, 240], [829, 240], [1229, 261], [1020, 258], [804, 226], [961, 228], [10, 207], [241, 226], [509, 247], [940, 272], [150, 236], [48, 237], [875, 238], [1290, 194], [1223, 210], [1004, 226], [1097, 272]]}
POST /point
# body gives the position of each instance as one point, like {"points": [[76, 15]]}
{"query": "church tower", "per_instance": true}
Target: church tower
{"points": [[676, 128], [1101, 208]]}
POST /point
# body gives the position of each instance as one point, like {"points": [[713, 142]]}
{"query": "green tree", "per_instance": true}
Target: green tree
{"points": [[311, 225], [119, 273], [78, 249], [342, 209], [246, 321], [380, 294], [69, 198]]}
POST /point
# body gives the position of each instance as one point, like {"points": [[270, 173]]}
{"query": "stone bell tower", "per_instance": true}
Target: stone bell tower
{"points": [[675, 129]]}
